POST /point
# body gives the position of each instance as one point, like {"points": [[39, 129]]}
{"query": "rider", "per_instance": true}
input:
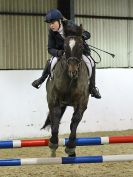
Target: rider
{"points": [[57, 23]]}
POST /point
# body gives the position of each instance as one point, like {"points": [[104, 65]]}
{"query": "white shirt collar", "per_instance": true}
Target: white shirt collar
{"points": [[61, 30]]}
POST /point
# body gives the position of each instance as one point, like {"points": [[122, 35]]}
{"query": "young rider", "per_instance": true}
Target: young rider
{"points": [[57, 25]]}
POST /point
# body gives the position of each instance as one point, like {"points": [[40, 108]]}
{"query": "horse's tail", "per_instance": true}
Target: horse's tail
{"points": [[47, 122]]}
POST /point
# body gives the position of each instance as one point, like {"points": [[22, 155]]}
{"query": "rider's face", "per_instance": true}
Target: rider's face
{"points": [[54, 26]]}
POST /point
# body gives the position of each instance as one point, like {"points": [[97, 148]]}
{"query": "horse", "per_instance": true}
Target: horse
{"points": [[69, 86]]}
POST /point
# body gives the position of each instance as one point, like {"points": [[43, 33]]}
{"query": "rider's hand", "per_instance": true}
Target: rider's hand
{"points": [[60, 53], [86, 35]]}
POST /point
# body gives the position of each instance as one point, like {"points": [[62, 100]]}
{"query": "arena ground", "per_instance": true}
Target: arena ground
{"points": [[108, 169]]}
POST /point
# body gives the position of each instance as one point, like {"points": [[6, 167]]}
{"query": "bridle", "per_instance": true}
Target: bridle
{"points": [[72, 58]]}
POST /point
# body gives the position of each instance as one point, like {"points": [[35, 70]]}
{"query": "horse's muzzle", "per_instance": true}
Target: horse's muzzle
{"points": [[73, 74], [73, 66]]}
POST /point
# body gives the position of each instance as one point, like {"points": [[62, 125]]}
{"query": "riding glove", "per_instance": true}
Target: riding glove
{"points": [[60, 53], [86, 35]]}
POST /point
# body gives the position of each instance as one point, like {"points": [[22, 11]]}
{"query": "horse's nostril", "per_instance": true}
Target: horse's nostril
{"points": [[73, 74], [76, 72]]}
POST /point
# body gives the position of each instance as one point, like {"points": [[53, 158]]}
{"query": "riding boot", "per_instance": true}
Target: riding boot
{"points": [[37, 83], [93, 89]]}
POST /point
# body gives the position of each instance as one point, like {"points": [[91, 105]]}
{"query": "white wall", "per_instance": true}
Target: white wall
{"points": [[23, 109]]}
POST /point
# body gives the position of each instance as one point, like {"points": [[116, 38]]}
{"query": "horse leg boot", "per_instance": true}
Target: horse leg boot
{"points": [[37, 83], [71, 144], [55, 113], [92, 88], [52, 144]]}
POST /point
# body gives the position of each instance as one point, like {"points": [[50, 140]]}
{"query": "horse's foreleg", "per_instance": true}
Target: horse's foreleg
{"points": [[71, 145], [56, 114]]}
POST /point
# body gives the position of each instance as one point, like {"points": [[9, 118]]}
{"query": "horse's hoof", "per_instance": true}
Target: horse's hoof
{"points": [[72, 155], [70, 152], [53, 148], [53, 153]]}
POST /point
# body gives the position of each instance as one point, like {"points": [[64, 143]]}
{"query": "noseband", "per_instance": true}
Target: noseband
{"points": [[74, 59]]}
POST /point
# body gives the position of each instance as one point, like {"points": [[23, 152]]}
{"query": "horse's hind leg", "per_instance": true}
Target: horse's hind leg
{"points": [[71, 145], [56, 114], [47, 122]]}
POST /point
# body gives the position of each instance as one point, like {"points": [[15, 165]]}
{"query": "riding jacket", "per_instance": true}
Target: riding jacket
{"points": [[56, 41]]}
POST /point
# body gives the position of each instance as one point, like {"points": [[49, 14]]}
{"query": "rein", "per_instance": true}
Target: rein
{"points": [[113, 55]]}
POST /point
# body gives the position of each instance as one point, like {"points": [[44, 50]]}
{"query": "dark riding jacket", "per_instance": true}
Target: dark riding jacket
{"points": [[56, 41]]}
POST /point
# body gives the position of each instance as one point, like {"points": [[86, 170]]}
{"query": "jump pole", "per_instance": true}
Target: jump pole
{"points": [[65, 160], [62, 142]]}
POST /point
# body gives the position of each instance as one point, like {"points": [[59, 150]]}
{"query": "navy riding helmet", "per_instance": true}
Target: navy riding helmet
{"points": [[53, 15]]}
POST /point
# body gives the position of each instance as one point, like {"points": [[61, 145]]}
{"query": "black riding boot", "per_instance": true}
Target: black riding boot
{"points": [[37, 83], [93, 89]]}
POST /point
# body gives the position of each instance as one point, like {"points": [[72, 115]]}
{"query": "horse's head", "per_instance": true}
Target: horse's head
{"points": [[73, 46]]}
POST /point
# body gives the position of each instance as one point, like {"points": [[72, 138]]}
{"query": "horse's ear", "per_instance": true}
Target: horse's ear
{"points": [[81, 29], [72, 30]]}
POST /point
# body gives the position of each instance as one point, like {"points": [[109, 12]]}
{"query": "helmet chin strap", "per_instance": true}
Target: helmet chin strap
{"points": [[59, 23]]}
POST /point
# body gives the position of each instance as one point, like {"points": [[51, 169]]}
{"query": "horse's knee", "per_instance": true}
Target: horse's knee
{"points": [[78, 114], [76, 118]]}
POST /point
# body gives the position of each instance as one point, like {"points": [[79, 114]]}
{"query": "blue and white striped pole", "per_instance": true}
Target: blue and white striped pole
{"points": [[65, 160]]}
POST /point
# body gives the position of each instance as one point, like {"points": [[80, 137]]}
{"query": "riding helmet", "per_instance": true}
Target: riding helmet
{"points": [[53, 15]]}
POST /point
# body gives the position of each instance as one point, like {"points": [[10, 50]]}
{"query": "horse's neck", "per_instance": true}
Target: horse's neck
{"points": [[62, 77], [61, 68]]}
